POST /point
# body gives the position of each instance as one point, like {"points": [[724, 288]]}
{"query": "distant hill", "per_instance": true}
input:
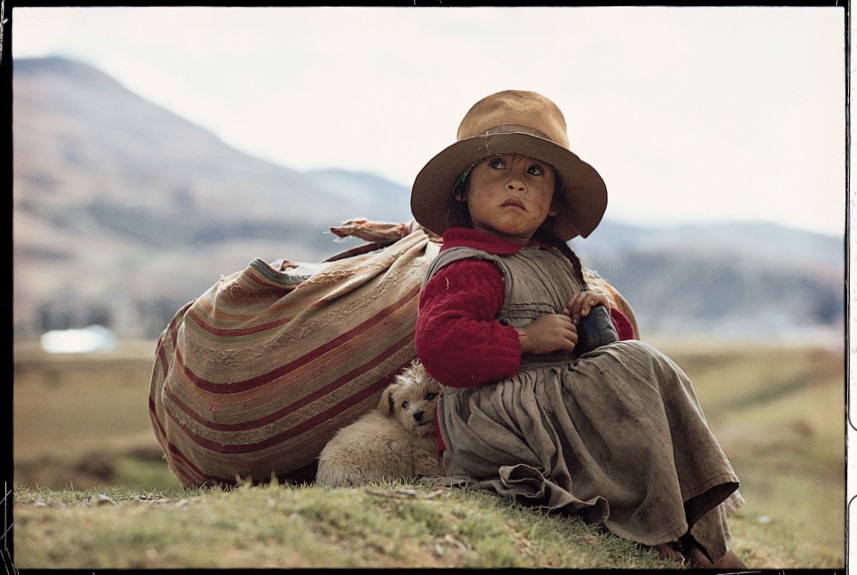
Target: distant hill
{"points": [[123, 211], [728, 280]]}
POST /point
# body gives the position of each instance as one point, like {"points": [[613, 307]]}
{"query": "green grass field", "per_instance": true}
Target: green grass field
{"points": [[89, 478]]}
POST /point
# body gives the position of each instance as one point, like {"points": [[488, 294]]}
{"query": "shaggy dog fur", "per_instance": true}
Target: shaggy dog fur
{"points": [[396, 441]]}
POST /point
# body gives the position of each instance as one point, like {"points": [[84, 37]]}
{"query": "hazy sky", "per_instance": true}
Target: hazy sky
{"points": [[688, 113]]}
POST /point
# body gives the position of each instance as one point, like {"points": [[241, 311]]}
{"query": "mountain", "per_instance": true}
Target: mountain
{"points": [[124, 211], [113, 195]]}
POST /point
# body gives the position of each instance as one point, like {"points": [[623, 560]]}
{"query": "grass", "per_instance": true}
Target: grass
{"points": [[381, 525], [93, 492]]}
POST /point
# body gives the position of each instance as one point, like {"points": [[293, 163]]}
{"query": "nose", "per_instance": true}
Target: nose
{"points": [[418, 416], [516, 184]]}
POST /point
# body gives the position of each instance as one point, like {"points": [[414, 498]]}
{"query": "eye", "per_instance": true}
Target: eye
{"points": [[496, 163], [404, 405], [536, 170], [430, 396]]}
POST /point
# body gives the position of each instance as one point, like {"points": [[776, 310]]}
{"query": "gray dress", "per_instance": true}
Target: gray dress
{"points": [[615, 435]]}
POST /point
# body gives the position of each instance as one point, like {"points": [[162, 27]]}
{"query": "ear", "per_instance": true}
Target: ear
{"points": [[459, 190], [554, 206], [385, 405]]}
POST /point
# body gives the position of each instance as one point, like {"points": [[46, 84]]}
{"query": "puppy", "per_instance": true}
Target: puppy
{"points": [[396, 441]]}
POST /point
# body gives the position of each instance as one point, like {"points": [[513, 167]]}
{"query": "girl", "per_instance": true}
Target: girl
{"points": [[614, 434]]}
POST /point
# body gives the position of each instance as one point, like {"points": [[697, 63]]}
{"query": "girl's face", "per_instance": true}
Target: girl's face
{"points": [[510, 195]]}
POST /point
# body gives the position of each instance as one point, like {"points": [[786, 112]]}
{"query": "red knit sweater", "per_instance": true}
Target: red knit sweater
{"points": [[458, 338]]}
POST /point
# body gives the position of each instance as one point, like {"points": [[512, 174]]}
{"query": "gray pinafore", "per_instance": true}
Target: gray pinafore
{"points": [[615, 435]]}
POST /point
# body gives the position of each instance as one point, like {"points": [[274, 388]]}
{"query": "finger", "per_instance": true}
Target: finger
{"points": [[573, 340], [573, 303], [578, 306], [588, 304]]}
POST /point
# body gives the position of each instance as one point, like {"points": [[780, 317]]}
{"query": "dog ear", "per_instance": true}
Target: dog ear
{"points": [[385, 405]]}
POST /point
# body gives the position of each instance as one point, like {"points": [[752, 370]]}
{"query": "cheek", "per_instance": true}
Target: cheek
{"points": [[545, 205], [477, 192], [480, 198], [551, 205]]}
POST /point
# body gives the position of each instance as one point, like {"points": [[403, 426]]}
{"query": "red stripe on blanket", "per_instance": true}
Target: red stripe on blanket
{"points": [[284, 436], [246, 385], [303, 402], [174, 454], [234, 331]]}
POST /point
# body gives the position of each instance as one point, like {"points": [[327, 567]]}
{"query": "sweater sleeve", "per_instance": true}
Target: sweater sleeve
{"points": [[458, 340], [623, 325]]}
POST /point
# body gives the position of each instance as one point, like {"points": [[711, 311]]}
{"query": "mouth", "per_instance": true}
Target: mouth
{"points": [[423, 431], [424, 427], [513, 203]]}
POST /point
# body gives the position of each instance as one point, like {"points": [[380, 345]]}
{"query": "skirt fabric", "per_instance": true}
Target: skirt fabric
{"points": [[616, 436]]}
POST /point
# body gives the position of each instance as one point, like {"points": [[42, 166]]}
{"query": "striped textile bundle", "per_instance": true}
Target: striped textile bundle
{"points": [[252, 378]]}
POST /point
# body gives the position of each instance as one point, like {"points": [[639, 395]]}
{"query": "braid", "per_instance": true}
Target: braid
{"points": [[575, 262]]}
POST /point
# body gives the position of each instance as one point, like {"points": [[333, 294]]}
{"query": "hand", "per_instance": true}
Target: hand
{"points": [[580, 303], [552, 332]]}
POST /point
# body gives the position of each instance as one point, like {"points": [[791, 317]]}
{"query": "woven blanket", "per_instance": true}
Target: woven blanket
{"points": [[253, 377]]}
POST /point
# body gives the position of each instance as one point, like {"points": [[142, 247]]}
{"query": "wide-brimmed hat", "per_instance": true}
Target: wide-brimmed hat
{"points": [[507, 122]]}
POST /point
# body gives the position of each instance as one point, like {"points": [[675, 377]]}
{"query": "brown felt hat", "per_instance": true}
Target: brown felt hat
{"points": [[509, 122]]}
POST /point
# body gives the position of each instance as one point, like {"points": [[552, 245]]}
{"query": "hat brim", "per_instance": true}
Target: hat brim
{"points": [[581, 208]]}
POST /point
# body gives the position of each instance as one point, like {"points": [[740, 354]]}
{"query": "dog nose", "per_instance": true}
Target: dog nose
{"points": [[418, 415]]}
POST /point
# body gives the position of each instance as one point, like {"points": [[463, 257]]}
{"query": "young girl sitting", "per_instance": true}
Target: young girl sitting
{"points": [[615, 433]]}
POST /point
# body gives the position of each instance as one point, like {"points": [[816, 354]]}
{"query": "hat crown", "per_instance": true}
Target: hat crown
{"points": [[515, 111]]}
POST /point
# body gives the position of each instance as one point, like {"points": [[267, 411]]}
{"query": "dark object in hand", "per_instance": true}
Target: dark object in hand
{"points": [[595, 330]]}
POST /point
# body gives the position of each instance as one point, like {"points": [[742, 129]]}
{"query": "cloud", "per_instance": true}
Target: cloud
{"points": [[689, 113]]}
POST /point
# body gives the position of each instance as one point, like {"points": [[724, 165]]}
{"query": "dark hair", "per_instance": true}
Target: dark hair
{"points": [[457, 215]]}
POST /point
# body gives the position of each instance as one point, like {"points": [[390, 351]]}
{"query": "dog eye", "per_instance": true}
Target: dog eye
{"points": [[404, 405], [430, 396]]}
